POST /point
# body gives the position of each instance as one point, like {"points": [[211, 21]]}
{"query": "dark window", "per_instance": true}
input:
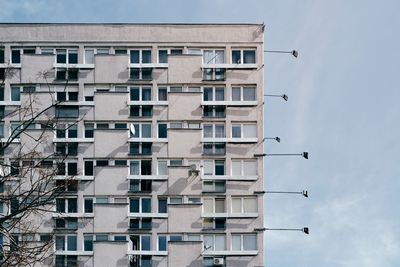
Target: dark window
{"points": [[145, 167], [220, 223], [236, 57], [162, 243], [135, 111], [67, 112], [102, 126], [16, 56], [135, 94], [146, 56], [73, 131], [145, 185], [72, 186], [2, 74], [61, 56], [1, 55], [1, 93], [134, 205], [249, 57], [61, 74], [73, 57], [14, 169], [208, 94], [134, 148], [162, 206], [73, 74], [146, 205], [120, 126], [88, 243], [147, 73], [121, 162], [72, 205], [121, 51], [146, 94], [72, 168], [61, 148], [89, 130], [135, 74], [61, 96], [219, 167], [101, 162], [135, 56], [162, 56], [162, 94], [73, 149], [73, 96], [60, 205], [220, 111], [146, 148], [176, 51], [14, 205], [162, 130], [88, 205], [208, 111], [61, 168], [134, 223], [146, 223]]}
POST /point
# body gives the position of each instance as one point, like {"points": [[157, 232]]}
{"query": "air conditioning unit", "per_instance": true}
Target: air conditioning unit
{"points": [[194, 169], [218, 261]]}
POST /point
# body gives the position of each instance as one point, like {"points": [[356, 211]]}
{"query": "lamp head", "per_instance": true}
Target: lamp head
{"points": [[305, 155], [277, 139], [306, 230], [295, 53], [285, 97], [305, 193]]}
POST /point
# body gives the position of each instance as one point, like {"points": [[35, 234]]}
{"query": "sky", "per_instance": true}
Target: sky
{"points": [[343, 109]]}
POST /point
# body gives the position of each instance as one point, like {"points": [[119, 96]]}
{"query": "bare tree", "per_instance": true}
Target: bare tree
{"points": [[30, 168]]}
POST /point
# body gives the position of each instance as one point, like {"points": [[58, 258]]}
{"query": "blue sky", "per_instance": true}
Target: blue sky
{"points": [[343, 108]]}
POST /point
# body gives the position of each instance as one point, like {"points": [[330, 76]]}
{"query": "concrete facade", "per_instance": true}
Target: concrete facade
{"points": [[176, 115]]}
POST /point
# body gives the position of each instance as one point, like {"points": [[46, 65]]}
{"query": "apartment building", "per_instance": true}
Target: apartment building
{"points": [[161, 131]]}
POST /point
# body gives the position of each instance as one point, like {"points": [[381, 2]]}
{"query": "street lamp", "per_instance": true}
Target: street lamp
{"points": [[285, 97], [277, 139], [305, 230], [294, 53], [304, 192], [304, 155]]}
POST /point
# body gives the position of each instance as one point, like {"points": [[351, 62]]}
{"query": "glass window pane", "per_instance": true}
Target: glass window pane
{"points": [[146, 130], [208, 204], [15, 93], [219, 167], [146, 205], [208, 186], [249, 94], [236, 205], [134, 167], [73, 57], [60, 243], [250, 168], [162, 243], [250, 131], [146, 94], [162, 168], [250, 205], [236, 131], [134, 94], [208, 167], [145, 242], [162, 94], [236, 57], [207, 131], [219, 56], [207, 94], [236, 94], [219, 94], [208, 241], [236, 242], [162, 56], [135, 56], [61, 56], [208, 57], [219, 131], [249, 242], [219, 186], [146, 56], [162, 206], [71, 243], [134, 205], [219, 242], [249, 57], [219, 205], [89, 56], [162, 130]]}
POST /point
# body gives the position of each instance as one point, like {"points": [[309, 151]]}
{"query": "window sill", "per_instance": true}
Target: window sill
{"points": [[148, 215], [231, 253], [147, 252]]}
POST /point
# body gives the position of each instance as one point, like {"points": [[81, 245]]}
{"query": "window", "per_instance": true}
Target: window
{"points": [[214, 242], [1, 55], [88, 168], [141, 111], [67, 56], [162, 205], [89, 127], [162, 167], [66, 242], [244, 167], [248, 130], [66, 260], [214, 205], [244, 242], [162, 243], [67, 131], [67, 112], [140, 148], [213, 93], [212, 167], [214, 186], [140, 56], [214, 74], [67, 185], [102, 237], [140, 186], [213, 56], [67, 96], [163, 54], [214, 111], [162, 130], [67, 205], [142, 130], [67, 74], [243, 93], [214, 223], [140, 242], [244, 205], [243, 56], [120, 238], [87, 242], [140, 94], [140, 223], [141, 73], [15, 93], [88, 205], [140, 261], [162, 94], [67, 223], [140, 205], [16, 56], [102, 200], [213, 130], [140, 167], [214, 149]]}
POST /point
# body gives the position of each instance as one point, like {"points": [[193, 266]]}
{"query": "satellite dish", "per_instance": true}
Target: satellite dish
{"points": [[132, 129], [193, 167]]}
